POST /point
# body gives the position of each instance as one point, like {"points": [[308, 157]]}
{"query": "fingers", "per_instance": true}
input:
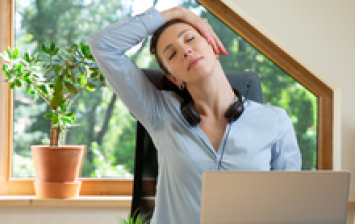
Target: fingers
{"points": [[207, 32], [220, 46], [216, 43]]}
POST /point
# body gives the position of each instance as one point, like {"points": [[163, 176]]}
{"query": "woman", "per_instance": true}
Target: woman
{"points": [[261, 138]]}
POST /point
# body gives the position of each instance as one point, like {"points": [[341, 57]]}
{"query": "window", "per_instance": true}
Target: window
{"points": [[115, 136]]}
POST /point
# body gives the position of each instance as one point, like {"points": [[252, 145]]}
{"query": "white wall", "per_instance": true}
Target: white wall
{"points": [[318, 33], [321, 35]]}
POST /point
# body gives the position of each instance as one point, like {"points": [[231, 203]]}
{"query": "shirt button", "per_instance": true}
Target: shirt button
{"points": [[216, 160], [150, 16]]}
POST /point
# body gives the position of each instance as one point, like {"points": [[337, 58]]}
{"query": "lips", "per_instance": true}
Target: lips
{"points": [[194, 62]]}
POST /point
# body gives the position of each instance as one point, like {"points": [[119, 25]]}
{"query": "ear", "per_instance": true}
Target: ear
{"points": [[173, 79]]}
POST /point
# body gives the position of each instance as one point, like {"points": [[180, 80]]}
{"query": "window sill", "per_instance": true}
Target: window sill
{"points": [[81, 201]]}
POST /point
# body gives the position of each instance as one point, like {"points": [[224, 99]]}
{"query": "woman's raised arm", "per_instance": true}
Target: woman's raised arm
{"points": [[108, 47]]}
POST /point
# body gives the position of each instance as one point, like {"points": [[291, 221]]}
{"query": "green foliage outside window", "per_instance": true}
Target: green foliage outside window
{"points": [[104, 123]]}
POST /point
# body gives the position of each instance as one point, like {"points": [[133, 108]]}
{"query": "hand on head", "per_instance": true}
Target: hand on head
{"points": [[200, 25]]}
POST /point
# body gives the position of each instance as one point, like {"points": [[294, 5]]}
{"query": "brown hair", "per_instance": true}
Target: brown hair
{"points": [[163, 82]]}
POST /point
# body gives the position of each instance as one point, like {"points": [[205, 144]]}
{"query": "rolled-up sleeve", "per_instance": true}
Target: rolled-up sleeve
{"points": [[108, 47]]}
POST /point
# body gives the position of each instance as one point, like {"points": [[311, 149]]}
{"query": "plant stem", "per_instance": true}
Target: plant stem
{"points": [[54, 135]]}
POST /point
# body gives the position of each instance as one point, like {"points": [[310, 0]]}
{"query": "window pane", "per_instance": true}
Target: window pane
{"points": [[104, 123]]}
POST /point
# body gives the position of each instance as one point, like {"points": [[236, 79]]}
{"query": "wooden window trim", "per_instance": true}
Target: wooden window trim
{"points": [[9, 186], [293, 68]]}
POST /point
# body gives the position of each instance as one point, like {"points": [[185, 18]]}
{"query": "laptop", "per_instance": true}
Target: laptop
{"points": [[275, 197]]}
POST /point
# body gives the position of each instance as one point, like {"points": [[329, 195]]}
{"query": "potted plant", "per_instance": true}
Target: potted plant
{"points": [[56, 75]]}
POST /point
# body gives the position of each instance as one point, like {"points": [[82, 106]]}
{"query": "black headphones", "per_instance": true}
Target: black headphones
{"points": [[232, 114]]}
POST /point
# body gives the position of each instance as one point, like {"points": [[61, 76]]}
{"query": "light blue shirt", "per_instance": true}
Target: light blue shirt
{"points": [[262, 138]]}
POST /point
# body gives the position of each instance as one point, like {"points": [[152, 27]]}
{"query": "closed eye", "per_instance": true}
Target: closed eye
{"points": [[172, 55], [190, 39]]}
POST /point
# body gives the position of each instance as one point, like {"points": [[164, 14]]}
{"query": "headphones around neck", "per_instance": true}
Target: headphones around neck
{"points": [[232, 114]]}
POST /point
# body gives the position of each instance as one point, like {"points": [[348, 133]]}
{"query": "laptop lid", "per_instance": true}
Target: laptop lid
{"points": [[276, 197]]}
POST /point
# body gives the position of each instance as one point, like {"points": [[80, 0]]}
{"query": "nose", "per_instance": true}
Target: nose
{"points": [[187, 52]]}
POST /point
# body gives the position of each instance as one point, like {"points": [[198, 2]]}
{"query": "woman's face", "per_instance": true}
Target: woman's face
{"points": [[185, 53]]}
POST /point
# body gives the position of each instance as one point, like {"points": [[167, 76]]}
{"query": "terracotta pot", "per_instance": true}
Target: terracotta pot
{"points": [[57, 164], [57, 189]]}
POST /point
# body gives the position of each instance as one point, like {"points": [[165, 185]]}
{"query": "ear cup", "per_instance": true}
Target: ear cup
{"points": [[190, 114], [236, 109]]}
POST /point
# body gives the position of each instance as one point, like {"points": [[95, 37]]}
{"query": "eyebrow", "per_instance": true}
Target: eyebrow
{"points": [[180, 34]]}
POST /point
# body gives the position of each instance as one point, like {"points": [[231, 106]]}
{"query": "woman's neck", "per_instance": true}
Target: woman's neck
{"points": [[213, 95]]}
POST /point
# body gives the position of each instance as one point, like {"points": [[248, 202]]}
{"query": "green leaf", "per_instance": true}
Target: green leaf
{"points": [[88, 88], [52, 47], [27, 74], [50, 116], [56, 122], [58, 85], [73, 78], [67, 72], [5, 68], [15, 53], [43, 88], [56, 51], [74, 47], [95, 74], [56, 100], [27, 57], [57, 70], [102, 80], [44, 47], [8, 50], [83, 49], [19, 67], [69, 114], [63, 105], [67, 120], [12, 85], [81, 82], [18, 83], [30, 91], [71, 87]]}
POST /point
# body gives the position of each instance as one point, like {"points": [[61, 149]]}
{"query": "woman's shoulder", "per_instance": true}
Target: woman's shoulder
{"points": [[172, 100], [265, 110], [267, 117]]}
